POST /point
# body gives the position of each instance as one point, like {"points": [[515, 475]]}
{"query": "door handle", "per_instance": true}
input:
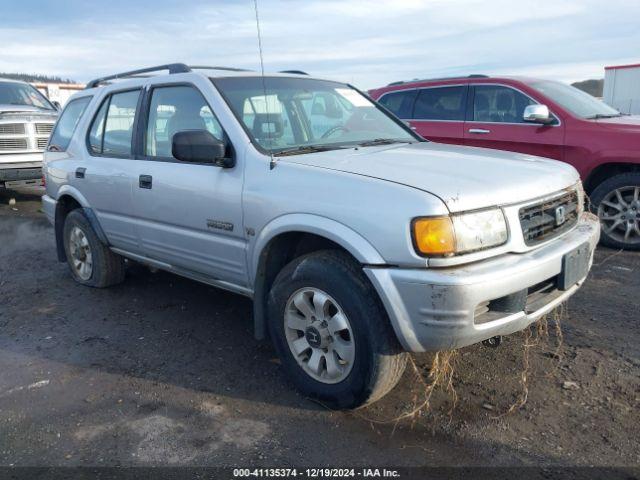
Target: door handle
{"points": [[145, 181], [80, 172], [479, 130]]}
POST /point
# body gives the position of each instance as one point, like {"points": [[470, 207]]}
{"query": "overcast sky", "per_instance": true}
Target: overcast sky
{"points": [[369, 43]]}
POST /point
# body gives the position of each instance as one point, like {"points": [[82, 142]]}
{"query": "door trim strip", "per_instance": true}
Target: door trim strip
{"points": [[214, 282]]}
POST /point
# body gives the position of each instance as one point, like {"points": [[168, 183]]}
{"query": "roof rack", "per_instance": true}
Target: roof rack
{"points": [[401, 82], [171, 67], [228, 69], [294, 72]]}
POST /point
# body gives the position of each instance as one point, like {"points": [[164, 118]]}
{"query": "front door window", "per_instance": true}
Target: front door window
{"points": [[173, 110], [499, 104]]}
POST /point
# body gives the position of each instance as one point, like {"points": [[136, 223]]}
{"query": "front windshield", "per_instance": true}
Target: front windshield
{"points": [[24, 95], [576, 101], [299, 114]]}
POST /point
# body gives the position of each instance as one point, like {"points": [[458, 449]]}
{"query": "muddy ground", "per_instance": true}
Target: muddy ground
{"points": [[164, 371]]}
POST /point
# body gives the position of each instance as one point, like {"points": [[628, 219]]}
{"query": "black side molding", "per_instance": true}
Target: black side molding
{"points": [[59, 230], [95, 224]]}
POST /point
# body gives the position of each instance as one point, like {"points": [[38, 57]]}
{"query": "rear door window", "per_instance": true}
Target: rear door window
{"points": [[61, 136], [112, 128], [400, 103], [499, 104], [441, 103]]}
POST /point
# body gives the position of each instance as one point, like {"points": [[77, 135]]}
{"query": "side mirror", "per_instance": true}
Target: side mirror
{"points": [[57, 105], [537, 114], [200, 146]]}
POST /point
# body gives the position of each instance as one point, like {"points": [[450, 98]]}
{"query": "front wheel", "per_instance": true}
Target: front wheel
{"points": [[616, 201], [331, 332]]}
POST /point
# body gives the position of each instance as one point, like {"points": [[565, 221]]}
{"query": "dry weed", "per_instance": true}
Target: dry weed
{"points": [[541, 339], [440, 377], [441, 374]]}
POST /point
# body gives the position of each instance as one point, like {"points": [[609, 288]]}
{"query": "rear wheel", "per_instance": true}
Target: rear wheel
{"points": [[331, 332], [91, 262], [616, 201]]}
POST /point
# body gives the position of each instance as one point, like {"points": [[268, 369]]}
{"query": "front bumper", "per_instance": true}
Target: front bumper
{"points": [[442, 308], [21, 160], [21, 170]]}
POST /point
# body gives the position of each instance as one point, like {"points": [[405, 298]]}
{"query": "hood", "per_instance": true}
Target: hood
{"points": [[6, 109], [625, 122], [464, 178]]}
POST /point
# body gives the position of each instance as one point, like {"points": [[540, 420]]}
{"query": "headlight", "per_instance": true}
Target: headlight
{"points": [[459, 233]]}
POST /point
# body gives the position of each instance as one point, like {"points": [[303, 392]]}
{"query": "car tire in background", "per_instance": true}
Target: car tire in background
{"points": [[90, 261], [331, 331], [616, 201]]}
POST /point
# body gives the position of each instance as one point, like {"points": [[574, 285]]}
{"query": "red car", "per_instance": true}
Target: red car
{"points": [[539, 117]]}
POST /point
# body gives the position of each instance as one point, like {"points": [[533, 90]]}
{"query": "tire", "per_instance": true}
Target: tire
{"points": [[106, 268], [623, 208], [374, 359]]}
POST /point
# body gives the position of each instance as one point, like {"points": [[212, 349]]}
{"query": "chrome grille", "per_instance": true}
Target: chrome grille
{"points": [[13, 144], [44, 128], [29, 136], [12, 129], [542, 221]]}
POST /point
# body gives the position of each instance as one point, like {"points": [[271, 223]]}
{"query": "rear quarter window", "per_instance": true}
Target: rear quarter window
{"points": [[69, 118]]}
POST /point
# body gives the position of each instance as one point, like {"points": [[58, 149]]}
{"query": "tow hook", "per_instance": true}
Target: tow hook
{"points": [[493, 342]]}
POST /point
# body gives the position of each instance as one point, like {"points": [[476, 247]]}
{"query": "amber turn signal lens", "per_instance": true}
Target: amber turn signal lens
{"points": [[434, 236]]}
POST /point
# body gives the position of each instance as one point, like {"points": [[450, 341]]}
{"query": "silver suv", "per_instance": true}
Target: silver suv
{"points": [[26, 121], [357, 240]]}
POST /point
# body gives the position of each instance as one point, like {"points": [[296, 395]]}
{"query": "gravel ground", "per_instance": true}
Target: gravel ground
{"points": [[164, 371]]}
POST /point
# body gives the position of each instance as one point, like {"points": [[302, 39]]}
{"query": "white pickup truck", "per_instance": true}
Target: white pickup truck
{"points": [[26, 121], [356, 239]]}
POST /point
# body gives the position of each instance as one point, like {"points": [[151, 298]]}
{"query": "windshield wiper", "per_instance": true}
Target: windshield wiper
{"points": [[381, 141], [305, 149], [604, 115]]}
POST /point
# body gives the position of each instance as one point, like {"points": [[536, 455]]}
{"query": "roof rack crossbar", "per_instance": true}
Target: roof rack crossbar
{"points": [[172, 67]]}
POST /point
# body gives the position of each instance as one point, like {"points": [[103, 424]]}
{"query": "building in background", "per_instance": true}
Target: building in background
{"points": [[622, 88], [58, 92]]}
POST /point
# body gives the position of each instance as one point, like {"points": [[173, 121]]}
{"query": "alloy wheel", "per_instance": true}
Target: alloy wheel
{"points": [[80, 250], [319, 335], [619, 212]]}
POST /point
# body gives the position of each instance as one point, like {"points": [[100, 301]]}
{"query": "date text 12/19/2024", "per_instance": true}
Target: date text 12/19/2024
{"points": [[315, 473]]}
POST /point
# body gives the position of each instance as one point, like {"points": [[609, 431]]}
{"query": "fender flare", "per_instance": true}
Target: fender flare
{"points": [[613, 165], [73, 193], [335, 231], [350, 240], [69, 191]]}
